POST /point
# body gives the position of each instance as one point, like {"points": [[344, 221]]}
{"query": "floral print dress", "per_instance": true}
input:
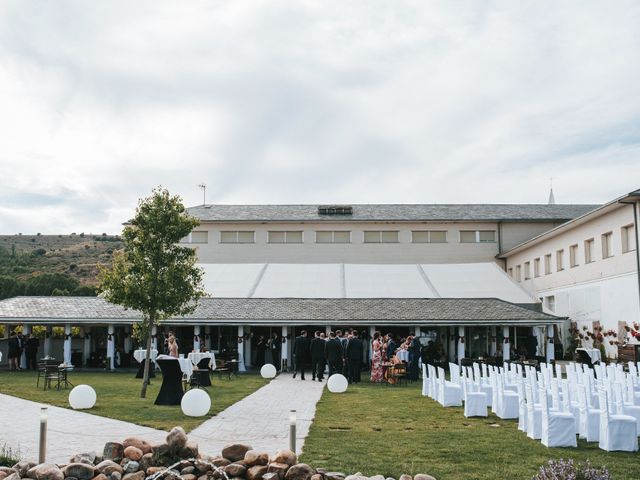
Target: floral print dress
{"points": [[377, 375]]}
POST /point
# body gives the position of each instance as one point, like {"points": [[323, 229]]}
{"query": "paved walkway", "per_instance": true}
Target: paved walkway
{"points": [[260, 420]]}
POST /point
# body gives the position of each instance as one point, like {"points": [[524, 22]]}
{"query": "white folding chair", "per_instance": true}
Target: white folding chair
{"points": [[617, 432], [623, 407], [425, 381], [507, 401], [475, 402], [558, 428], [522, 407], [449, 393], [589, 417], [534, 415]]}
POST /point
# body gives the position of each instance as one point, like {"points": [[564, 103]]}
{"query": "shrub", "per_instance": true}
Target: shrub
{"points": [[8, 456], [38, 252], [567, 470]]}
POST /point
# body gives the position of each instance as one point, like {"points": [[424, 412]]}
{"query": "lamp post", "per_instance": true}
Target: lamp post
{"points": [[292, 431], [43, 435]]}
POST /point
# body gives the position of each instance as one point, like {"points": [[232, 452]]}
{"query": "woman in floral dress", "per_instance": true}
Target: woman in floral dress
{"points": [[376, 360]]}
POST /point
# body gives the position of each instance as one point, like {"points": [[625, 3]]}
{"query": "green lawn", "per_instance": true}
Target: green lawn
{"points": [[393, 430], [119, 396]]}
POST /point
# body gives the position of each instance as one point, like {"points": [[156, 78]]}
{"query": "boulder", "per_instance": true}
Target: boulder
{"points": [[256, 472], [154, 470], [405, 477], [177, 439], [235, 470], [115, 475], [300, 471], [235, 451], [204, 477], [133, 442], [13, 476], [188, 476], [100, 476], [80, 470], [108, 467], [89, 457], [423, 476], [279, 468], [270, 476], [202, 465], [23, 467], [113, 451], [130, 466], [146, 461], [160, 449], [45, 471], [377, 477], [188, 470], [133, 453], [190, 450], [254, 457], [335, 476], [285, 456], [134, 476], [4, 475], [356, 476], [7, 470], [220, 462], [317, 476]]}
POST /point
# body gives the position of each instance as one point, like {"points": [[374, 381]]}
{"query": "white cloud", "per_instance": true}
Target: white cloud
{"points": [[290, 102]]}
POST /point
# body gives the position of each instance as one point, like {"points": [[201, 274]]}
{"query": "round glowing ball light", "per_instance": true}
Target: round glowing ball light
{"points": [[268, 371], [337, 383], [82, 397], [195, 403]]}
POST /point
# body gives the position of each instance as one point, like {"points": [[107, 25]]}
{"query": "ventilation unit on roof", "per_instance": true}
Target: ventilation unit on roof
{"points": [[335, 210]]}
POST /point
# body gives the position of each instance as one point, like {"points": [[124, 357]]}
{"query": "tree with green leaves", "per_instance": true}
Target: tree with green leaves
{"points": [[153, 273]]}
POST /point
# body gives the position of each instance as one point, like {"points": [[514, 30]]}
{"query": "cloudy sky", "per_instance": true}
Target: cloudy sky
{"points": [[305, 102]]}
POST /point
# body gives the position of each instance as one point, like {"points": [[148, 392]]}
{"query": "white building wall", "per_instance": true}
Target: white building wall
{"points": [[604, 290]]}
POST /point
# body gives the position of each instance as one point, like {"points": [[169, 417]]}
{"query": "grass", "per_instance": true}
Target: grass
{"points": [[9, 456], [375, 429], [119, 396]]}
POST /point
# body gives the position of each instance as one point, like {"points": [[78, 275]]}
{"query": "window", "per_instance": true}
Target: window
{"points": [[628, 238], [606, 245], [385, 236], [477, 236], [560, 260], [518, 273], [237, 237], [588, 251], [547, 264], [338, 236], [527, 270], [285, 237], [551, 303], [196, 237], [536, 267], [573, 256], [430, 236], [510, 272]]}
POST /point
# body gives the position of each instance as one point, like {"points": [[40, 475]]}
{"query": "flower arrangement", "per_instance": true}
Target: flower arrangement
{"points": [[567, 470]]}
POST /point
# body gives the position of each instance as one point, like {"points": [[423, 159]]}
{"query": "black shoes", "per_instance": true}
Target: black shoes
{"points": [[294, 374]]}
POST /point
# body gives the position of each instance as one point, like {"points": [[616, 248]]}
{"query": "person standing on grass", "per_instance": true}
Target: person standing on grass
{"points": [[414, 356], [300, 353], [14, 349], [317, 357], [32, 351], [354, 357], [333, 354], [376, 360]]}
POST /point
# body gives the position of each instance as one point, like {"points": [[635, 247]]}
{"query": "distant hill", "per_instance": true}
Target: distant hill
{"points": [[68, 263]]}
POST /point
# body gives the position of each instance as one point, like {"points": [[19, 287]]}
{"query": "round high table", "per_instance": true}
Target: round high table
{"points": [[140, 355]]}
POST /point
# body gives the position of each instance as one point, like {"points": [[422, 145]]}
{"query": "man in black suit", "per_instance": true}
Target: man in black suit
{"points": [[275, 345], [32, 351], [317, 357], [300, 353], [391, 346], [343, 342], [333, 354], [354, 357]]}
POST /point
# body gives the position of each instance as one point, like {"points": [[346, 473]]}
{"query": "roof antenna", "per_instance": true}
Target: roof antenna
{"points": [[203, 186], [552, 200]]}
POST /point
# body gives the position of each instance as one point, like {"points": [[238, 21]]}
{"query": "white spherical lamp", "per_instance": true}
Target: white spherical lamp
{"points": [[82, 397], [268, 371], [195, 403], [337, 383]]}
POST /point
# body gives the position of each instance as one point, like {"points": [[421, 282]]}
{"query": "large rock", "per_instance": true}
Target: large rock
{"points": [[188, 470], [113, 451], [177, 439], [220, 462], [115, 476], [23, 467], [190, 450], [89, 457], [404, 476], [270, 475], [133, 442], [254, 457], [188, 476], [7, 470], [279, 468], [203, 465], [423, 476], [133, 453], [154, 470], [235, 470], [134, 476], [45, 471], [79, 470], [108, 467], [356, 476], [301, 471], [285, 456], [377, 477], [235, 451], [130, 466], [100, 476], [335, 476], [146, 461], [14, 476], [317, 476], [256, 472], [160, 449]]}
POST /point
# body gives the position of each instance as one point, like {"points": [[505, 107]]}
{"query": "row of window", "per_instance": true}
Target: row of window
{"points": [[344, 236], [628, 239]]}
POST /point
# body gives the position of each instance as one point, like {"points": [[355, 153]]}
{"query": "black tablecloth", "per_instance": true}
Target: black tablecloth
{"points": [[203, 372], [140, 374], [171, 389]]}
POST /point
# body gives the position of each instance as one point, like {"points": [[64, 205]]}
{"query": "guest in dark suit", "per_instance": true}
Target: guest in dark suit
{"points": [[261, 349], [32, 351], [354, 357], [414, 357], [343, 342], [275, 346], [392, 346], [317, 356], [333, 354], [300, 353]]}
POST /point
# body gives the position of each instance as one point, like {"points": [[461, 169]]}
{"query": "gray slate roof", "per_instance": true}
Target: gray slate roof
{"points": [[391, 212], [331, 311]]}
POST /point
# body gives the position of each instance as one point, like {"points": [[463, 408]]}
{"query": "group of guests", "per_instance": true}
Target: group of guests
{"points": [[19, 344], [341, 351], [272, 344], [386, 353]]}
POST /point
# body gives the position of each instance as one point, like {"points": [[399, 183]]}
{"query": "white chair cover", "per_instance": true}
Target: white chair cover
{"points": [[589, 417], [475, 402], [522, 407], [617, 432], [534, 415], [449, 393], [507, 401], [425, 381], [558, 428]]}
